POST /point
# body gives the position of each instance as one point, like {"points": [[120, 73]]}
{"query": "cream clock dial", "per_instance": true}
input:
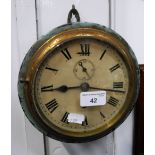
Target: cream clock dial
{"points": [[76, 59], [99, 66]]}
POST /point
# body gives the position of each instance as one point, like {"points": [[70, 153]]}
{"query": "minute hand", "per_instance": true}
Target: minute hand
{"points": [[119, 91]]}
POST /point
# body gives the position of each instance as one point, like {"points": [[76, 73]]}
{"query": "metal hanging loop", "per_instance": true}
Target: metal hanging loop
{"points": [[74, 12]]}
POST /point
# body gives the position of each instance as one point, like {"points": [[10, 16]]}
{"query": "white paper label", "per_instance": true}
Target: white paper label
{"points": [[76, 118], [93, 98]]}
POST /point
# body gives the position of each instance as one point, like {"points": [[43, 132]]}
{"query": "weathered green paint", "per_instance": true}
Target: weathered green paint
{"points": [[43, 39]]}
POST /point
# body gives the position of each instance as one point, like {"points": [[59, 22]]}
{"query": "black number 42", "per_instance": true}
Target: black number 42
{"points": [[93, 100]]}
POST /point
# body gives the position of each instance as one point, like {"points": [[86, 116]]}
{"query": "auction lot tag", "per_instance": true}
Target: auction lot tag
{"points": [[93, 98], [75, 118]]}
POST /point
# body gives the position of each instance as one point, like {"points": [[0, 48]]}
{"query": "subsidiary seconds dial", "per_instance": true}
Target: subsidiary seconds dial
{"points": [[84, 69]]}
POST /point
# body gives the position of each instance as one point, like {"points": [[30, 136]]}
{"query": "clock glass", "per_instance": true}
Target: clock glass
{"points": [[76, 66]]}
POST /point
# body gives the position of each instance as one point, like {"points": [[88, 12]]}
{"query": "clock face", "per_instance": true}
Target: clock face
{"points": [[80, 65], [79, 82]]}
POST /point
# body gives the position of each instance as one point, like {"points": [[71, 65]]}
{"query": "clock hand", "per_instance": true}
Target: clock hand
{"points": [[84, 87], [84, 69], [65, 88], [119, 91], [62, 88]]}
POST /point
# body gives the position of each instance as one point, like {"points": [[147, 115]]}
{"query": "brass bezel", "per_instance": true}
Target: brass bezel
{"points": [[47, 47]]}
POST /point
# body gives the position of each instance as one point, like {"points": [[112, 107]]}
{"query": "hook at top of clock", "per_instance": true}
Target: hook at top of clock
{"points": [[74, 12]]}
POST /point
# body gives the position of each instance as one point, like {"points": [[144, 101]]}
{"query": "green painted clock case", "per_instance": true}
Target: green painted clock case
{"points": [[23, 83]]}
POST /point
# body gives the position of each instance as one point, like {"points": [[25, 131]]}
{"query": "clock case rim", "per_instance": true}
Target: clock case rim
{"points": [[23, 82]]}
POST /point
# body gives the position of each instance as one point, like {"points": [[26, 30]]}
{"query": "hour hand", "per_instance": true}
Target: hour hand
{"points": [[62, 88], [65, 88]]}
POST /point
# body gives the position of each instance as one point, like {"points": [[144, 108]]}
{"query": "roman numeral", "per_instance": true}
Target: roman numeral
{"points": [[84, 50], [114, 67], [102, 114], [113, 101], [52, 105], [51, 69], [85, 122], [47, 88], [64, 118], [103, 54], [66, 53], [118, 85]]}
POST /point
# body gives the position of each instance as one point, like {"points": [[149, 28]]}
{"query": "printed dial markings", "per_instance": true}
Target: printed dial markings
{"points": [[85, 50], [117, 84], [51, 69], [85, 122], [66, 53], [103, 116], [113, 101], [47, 88], [102, 55], [52, 105], [114, 67], [64, 118]]}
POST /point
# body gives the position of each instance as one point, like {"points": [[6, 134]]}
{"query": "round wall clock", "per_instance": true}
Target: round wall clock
{"points": [[79, 82]]}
